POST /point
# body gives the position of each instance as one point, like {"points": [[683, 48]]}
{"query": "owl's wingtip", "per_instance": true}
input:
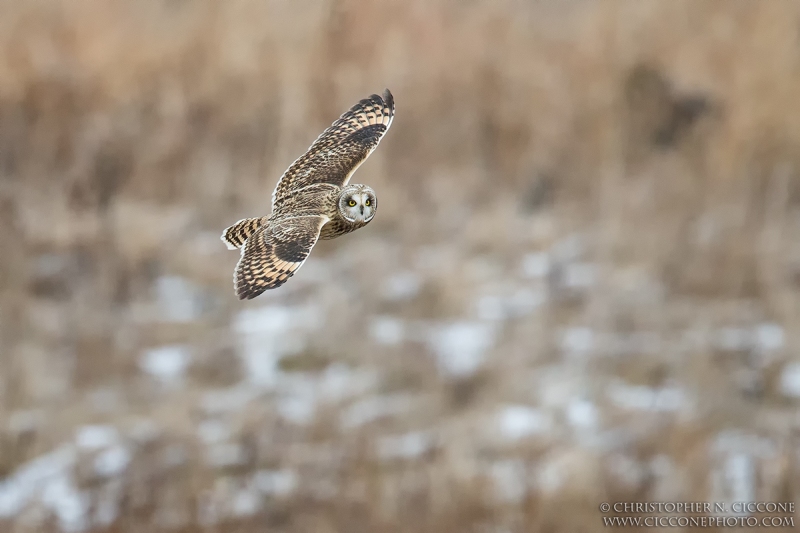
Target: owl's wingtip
{"points": [[246, 294], [388, 97], [228, 245]]}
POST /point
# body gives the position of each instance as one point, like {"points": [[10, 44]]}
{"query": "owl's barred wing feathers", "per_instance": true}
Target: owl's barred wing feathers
{"points": [[236, 235], [340, 149], [272, 254]]}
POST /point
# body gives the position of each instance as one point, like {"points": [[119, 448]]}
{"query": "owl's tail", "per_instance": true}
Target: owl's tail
{"points": [[235, 236]]}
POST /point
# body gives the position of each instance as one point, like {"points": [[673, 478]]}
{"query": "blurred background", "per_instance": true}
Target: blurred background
{"points": [[582, 285]]}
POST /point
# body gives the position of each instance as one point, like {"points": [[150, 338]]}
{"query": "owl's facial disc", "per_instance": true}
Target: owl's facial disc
{"points": [[357, 203]]}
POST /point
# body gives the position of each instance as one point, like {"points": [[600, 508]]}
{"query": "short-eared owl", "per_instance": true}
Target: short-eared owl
{"points": [[312, 200]]}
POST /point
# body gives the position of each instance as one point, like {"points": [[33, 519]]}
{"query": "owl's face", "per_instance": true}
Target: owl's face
{"points": [[358, 203]]}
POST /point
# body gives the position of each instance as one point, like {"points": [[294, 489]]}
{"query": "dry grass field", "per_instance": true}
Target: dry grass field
{"points": [[583, 283]]}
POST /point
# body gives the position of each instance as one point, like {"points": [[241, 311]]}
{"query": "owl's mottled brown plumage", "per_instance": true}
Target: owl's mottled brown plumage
{"points": [[312, 200]]}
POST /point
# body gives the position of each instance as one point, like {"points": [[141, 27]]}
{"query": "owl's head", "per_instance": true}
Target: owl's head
{"points": [[357, 203]]}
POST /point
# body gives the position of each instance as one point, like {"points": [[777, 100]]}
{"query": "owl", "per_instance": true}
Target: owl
{"points": [[313, 200]]}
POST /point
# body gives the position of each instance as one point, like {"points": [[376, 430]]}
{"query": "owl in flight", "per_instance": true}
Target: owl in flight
{"points": [[312, 200]]}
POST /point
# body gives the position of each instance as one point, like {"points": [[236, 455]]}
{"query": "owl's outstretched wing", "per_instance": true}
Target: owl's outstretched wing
{"points": [[272, 254], [341, 148]]}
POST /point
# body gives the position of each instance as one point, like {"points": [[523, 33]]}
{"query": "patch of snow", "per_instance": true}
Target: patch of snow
{"points": [[790, 380], [627, 470], [734, 339], [520, 421], [387, 330], [48, 476], [524, 301], [407, 446], [178, 299], [225, 455], [735, 456], [275, 482], [269, 333], [13, 498], [551, 476], [401, 286], [735, 441], [275, 319], [557, 386], [70, 505], [246, 502], [640, 397], [339, 381], [112, 462], [95, 437], [298, 409], [535, 265], [582, 414], [214, 431], [461, 348], [735, 481], [770, 337], [167, 364], [577, 340], [491, 307], [297, 397]]}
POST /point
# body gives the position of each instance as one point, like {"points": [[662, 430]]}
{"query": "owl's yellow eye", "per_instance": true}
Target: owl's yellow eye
{"points": [[351, 203], [367, 202]]}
